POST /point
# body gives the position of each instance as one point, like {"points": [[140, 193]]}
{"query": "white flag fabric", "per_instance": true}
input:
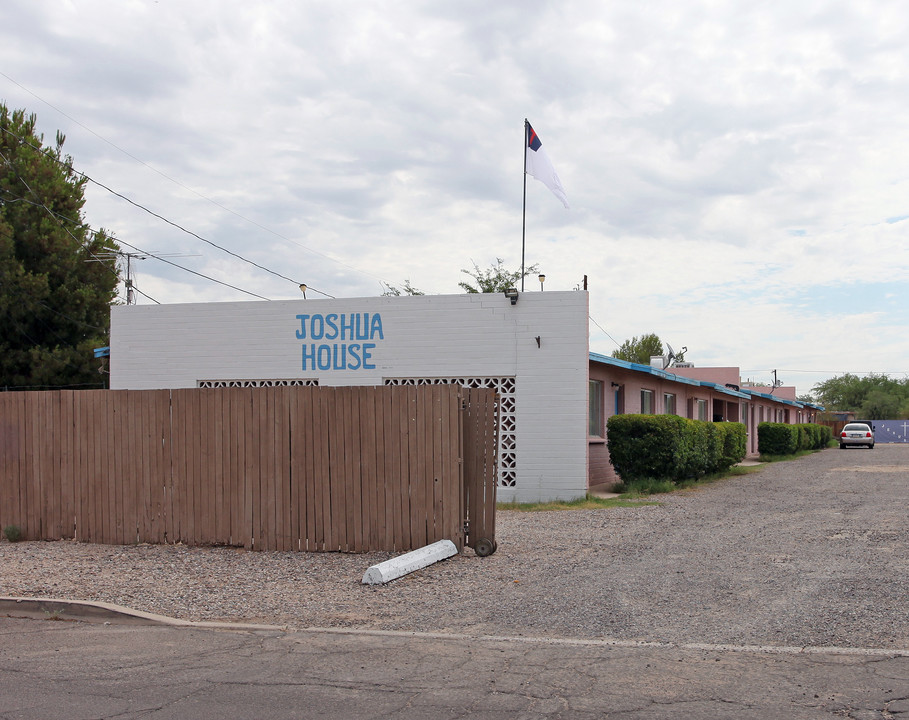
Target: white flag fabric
{"points": [[539, 166]]}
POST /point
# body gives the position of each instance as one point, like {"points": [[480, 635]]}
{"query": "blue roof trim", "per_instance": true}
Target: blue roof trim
{"points": [[770, 396], [606, 360], [672, 377], [724, 389], [744, 393]]}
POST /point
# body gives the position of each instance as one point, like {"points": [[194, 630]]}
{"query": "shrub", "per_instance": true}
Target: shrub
{"points": [[645, 446], [786, 439], [734, 445], [669, 447], [777, 438], [12, 533]]}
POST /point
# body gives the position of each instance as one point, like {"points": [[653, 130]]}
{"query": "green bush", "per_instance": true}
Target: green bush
{"points": [[645, 446], [735, 443], [777, 438], [786, 439], [672, 448], [13, 533]]}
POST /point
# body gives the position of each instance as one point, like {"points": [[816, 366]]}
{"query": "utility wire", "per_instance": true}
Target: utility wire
{"points": [[220, 282], [62, 218], [71, 319], [162, 218], [604, 332], [54, 215], [59, 217], [194, 192]]}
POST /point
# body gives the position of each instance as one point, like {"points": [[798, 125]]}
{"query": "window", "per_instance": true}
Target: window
{"points": [[647, 402], [669, 403], [595, 419], [702, 410]]}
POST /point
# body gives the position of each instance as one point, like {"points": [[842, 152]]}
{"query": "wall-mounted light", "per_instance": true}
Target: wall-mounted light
{"points": [[542, 280], [615, 384], [512, 294]]}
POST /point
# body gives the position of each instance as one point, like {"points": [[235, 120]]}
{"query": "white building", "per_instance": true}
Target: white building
{"points": [[534, 352]]}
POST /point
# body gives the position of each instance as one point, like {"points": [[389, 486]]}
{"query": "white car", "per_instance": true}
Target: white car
{"points": [[857, 434]]}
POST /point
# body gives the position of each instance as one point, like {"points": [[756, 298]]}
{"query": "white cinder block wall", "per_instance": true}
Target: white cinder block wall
{"points": [[437, 336]]}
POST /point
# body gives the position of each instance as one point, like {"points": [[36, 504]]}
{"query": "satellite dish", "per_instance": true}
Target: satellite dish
{"points": [[670, 357]]}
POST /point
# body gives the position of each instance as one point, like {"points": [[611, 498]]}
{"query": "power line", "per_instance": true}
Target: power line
{"points": [[59, 218], [833, 372], [54, 215], [161, 217], [71, 319], [604, 332], [193, 191], [156, 257]]}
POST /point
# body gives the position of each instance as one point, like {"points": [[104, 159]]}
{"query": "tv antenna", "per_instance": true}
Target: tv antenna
{"points": [[130, 256], [776, 383]]}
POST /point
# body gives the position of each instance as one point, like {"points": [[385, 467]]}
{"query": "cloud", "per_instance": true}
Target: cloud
{"points": [[724, 163]]}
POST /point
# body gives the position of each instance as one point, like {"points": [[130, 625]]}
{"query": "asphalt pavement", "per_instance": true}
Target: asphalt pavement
{"points": [[69, 670]]}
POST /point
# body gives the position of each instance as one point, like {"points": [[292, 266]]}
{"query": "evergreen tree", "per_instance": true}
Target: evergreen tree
{"points": [[55, 288]]}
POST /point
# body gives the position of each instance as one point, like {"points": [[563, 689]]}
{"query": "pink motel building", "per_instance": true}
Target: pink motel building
{"points": [[713, 394]]}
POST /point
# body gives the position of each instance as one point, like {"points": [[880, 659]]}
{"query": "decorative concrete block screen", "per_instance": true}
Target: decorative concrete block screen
{"points": [[275, 468]]}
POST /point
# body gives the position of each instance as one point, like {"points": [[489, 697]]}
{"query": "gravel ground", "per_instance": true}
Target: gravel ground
{"points": [[809, 552]]}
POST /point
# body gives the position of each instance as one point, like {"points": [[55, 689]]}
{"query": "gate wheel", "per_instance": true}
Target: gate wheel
{"points": [[484, 547]]}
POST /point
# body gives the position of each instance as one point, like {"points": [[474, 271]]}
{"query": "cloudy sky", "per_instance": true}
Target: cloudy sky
{"points": [[738, 173]]}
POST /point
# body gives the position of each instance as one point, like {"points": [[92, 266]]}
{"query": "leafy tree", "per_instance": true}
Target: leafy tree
{"points": [[55, 288], [495, 278], [639, 350], [880, 405], [875, 396], [849, 392], [408, 289]]}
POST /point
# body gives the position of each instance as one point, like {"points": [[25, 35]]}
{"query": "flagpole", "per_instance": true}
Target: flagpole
{"points": [[524, 210]]}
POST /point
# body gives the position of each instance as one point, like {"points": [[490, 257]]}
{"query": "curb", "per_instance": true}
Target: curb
{"points": [[101, 612], [409, 562]]}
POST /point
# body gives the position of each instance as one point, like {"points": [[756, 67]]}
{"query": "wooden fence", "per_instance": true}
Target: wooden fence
{"points": [[283, 468]]}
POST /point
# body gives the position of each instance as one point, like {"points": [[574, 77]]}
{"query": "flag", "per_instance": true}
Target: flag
{"points": [[538, 165]]}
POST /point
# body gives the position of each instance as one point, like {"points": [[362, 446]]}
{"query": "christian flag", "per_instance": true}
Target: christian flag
{"points": [[538, 165]]}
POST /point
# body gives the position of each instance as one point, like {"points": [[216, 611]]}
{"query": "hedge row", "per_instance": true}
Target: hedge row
{"points": [[785, 439], [671, 447]]}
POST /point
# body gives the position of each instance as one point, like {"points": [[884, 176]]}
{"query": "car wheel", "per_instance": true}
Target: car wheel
{"points": [[871, 446], [842, 447]]}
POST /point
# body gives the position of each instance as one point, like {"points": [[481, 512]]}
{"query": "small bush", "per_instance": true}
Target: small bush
{"points": [[786, 439], [12, 533], [668, 447], [735, 443]]}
